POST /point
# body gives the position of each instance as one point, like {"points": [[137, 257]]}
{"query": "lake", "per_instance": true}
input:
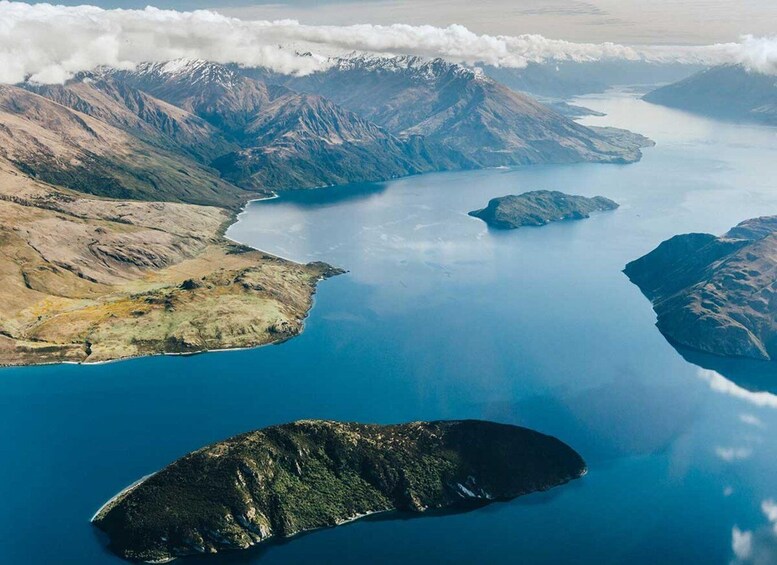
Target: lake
{"points": [[440, 317]]}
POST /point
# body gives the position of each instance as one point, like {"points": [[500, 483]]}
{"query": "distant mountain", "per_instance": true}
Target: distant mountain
{"points": [[728, 92], [566, 79], [460, 108], [211, 91]]}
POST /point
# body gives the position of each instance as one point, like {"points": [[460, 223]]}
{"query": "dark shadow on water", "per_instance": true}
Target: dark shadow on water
{"points": [[750, 374], [329, 195], [254, 554], [104, 542]]}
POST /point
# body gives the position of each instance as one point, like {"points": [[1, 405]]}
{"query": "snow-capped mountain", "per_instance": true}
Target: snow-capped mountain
{"points": [[190, 72], [255, 135], [365, 118], [413, 66], [460, 108]]}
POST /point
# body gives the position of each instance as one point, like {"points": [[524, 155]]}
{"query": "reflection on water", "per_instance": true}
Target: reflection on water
{"points": [[750, 374], [721, 384], [608, 421]]}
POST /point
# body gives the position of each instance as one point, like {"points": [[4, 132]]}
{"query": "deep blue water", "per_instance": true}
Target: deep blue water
{"points": [[441, 318]]}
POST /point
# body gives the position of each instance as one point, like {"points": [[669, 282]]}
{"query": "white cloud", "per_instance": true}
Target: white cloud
{"points": [[751, 420], [759, 54], [741, 543], [769, 508], [731, 454], [50, 43], [759, 546]]}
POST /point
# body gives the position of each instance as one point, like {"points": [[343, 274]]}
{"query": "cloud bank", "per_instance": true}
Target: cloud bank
{"points": [[48, 44]]}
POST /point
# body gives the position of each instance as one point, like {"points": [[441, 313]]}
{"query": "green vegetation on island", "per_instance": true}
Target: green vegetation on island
{"points": [[540, 207], [283, 480]]}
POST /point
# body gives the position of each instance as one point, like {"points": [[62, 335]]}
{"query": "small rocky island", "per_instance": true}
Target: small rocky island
{"points": [[716, 294], [283, 480], [540, 207]]}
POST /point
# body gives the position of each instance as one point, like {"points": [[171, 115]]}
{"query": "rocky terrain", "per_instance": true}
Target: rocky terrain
{"points": [[729, 92], [461, 109], [147, 132], [716, 294], [540, 207], [283, 480], [283, 139], [65, 147]]}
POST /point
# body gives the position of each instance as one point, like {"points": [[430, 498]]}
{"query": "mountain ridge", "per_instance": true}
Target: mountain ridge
{"points": [[461, 108]]}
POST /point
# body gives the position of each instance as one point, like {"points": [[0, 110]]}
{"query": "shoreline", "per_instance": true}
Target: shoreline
{"points": [[234, 218], [90, 364], [126, 490]]}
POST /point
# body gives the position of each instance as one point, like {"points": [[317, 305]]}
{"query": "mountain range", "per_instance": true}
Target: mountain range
{"points": [[729, 92], [195, 131], [460, 108]]}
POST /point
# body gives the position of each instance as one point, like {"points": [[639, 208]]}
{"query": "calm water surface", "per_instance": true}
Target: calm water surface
{"points": [[441, 318]]}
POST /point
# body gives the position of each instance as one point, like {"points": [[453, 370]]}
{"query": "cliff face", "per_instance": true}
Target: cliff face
{"points": [[716, 294], [286, 479], [540, 207]]}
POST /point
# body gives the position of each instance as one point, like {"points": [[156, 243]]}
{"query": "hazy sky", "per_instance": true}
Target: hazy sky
{"points": [[623, 21]]}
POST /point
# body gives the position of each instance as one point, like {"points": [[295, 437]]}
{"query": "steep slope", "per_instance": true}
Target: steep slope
{"points": [[716, 294], [729, 92], [463, 109], [157, 122], [286, 139], [282, 480], [64, 147], [211, 91], [305, 140]]}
